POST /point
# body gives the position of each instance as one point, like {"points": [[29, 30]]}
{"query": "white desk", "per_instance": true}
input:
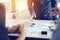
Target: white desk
{"points": [[34, 28]]}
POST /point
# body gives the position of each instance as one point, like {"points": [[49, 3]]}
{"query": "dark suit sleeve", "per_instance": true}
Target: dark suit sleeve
{"points": [[29, 2], [3, 30]]}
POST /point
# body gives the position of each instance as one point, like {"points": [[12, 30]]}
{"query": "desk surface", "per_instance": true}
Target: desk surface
{"points": [[34, 28], [11, 22]]}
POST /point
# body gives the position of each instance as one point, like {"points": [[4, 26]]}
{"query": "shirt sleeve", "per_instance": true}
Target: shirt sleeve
{"points": [[29, 3]]}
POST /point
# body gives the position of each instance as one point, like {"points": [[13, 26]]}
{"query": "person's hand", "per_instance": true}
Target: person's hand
{"points": [[54, 22], [51, 11], [54, 10], [33, 15]]}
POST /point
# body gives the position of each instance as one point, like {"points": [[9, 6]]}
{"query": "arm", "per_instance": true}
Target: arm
{"points": [[29, 2], [3, 30], [30, 7]]}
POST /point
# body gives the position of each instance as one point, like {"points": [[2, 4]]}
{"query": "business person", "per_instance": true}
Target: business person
{"points": [[56, 33], [39, 9], [3, 30]]}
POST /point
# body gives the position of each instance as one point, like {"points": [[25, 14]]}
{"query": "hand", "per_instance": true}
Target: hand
{"points": [[54, 10], [33, 15]]}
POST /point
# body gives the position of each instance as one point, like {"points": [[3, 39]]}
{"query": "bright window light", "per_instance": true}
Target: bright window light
{"points": [[58, 4]]}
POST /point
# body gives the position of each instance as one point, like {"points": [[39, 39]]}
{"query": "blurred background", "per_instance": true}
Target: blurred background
{"points": [[18, 9]]}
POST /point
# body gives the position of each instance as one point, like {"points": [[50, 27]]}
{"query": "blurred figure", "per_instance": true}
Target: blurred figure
{"points": [[39, 9], [56, 33], [3, 30], [20, 29]]}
